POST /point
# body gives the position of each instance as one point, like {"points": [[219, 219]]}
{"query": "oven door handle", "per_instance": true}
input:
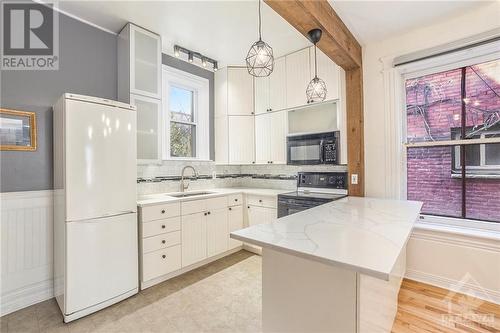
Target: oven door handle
{"points": [[322, 151]]}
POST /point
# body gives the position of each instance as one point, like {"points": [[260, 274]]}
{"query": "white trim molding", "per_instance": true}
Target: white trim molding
{"points": [[26, 229], [458, 259]]}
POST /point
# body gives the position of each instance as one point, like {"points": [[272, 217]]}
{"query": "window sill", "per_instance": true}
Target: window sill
{"points": [[461, 227], [475, 176]]}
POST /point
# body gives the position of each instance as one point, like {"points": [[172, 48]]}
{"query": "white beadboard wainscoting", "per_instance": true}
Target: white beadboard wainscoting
{"points": [[26, 249]]}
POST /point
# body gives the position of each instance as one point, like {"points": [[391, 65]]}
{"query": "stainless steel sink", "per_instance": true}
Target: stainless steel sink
{"points": [[188, 194]]}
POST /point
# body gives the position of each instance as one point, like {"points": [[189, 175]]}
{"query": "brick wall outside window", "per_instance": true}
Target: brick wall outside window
{"points": [[433, 110]]}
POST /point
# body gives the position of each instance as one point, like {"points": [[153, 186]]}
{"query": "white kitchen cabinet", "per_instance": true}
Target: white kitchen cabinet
{"points": [[221, 140], [148, 128], [194, 238], [217, 231], [262, 94], [298, 76], [235, 218], [139, 83], [260, 215], [277, 85], [139, 63], [241, 139], [262, 138], [270, 92], [240, 94], [270, 138], [328, 71]]}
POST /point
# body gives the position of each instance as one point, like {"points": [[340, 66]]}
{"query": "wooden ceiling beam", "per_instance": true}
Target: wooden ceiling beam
{"points": [[339, 44], [337, 41]]}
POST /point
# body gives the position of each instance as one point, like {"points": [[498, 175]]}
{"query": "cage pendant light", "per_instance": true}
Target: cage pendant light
{"points": [[316, 89], [260, 59]]}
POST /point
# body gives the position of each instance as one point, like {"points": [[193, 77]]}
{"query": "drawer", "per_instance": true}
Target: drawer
{"points": [[216, 203], [194, 206], [157, 227], [161, 262], [262, 201], [161, 241], [235, 199], [162, 211]]}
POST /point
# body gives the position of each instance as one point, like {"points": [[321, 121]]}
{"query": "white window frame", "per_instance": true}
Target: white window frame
{"points": [[200, 88], [466, 57]]}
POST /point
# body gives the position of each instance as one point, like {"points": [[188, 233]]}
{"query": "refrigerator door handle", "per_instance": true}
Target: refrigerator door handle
{"points": [[90, 219]]}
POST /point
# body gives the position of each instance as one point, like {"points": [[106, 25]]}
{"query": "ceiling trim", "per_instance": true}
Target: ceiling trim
{"points": [[57, 9]]}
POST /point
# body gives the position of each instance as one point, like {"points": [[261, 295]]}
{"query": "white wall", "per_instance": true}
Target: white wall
{"points": [[436, 259]]}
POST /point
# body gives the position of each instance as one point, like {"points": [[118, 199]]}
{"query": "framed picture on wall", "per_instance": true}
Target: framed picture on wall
{"points": [[17, 130]]}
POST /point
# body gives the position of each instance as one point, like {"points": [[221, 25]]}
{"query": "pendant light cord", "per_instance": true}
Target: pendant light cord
{"points": [[260, 28], [315, 62]]}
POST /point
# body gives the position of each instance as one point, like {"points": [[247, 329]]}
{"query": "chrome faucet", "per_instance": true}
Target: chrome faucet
{"points": [[183, 186]]}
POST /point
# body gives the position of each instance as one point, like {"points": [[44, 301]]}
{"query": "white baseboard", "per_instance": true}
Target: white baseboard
{"points": [[446, 283], [26, 296]]}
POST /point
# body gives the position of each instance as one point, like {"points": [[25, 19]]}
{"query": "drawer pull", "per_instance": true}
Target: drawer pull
{"points": [[230, 208], [163, 226], [163, 256], [260, 200], [235, 199], [163, 211], [163, 241]]}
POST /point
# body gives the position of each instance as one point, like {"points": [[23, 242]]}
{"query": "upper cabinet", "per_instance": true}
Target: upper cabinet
{"points": [[139, 63], [270, 92], [239, 92], [139, 83], [298, 76], [328, 71]]}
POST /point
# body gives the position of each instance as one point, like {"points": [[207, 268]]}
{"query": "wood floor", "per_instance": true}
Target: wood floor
{"points": [[424, 308]]}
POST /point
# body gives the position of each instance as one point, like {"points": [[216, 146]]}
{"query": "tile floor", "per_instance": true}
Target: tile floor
{"points": [[224, 296]]}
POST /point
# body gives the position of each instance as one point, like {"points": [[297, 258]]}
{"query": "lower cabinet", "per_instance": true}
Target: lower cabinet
{"points": [[235, 218], [217, 231], [161, 262], [194, 238], [260, 215]]}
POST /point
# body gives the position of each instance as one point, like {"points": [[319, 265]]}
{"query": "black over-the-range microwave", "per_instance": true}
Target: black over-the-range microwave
{"points": [[316, 148]]}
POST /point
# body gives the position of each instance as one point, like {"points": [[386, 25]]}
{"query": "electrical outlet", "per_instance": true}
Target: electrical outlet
{"points": [[354, 179]]}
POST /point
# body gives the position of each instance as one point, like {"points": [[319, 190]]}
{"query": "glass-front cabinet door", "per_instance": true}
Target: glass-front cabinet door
{"points": [[148, 129], [145, 63]]}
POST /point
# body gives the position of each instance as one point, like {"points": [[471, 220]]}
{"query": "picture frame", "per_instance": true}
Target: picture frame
{"points": [[17, 130]]}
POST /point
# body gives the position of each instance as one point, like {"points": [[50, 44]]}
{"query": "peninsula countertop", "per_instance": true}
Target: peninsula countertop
{"points": [[363, 234]]}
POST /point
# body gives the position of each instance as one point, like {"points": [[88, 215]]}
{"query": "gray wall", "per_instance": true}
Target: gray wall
{"points": [[196, 70], [87, 66]]}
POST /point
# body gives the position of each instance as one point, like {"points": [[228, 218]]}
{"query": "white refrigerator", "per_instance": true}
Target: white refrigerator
{"points": [[95, 223]]}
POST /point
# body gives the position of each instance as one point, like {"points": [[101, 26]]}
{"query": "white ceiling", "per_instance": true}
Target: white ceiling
{"points": [[222, 30], [371, 21]]}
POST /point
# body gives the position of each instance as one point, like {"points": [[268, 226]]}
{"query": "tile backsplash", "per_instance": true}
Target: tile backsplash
{"points": [[165, 177]]}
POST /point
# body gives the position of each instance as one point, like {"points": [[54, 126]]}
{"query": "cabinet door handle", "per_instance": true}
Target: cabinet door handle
{"points": [[208, 213], [235, 199], [163, 241], [163, 226], [230, 208], [163, 211], [205, 214], [260, 200], [163, 256], [248, 207]]}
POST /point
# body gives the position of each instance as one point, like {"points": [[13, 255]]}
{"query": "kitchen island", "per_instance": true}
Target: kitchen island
{"points": [[335, 267]]}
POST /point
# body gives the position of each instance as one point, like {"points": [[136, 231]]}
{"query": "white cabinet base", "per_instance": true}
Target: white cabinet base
{"points": [[150, 283]]}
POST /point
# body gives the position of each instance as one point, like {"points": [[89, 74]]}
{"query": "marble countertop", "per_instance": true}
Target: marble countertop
{"points": [[362, 234], [154, 199]]}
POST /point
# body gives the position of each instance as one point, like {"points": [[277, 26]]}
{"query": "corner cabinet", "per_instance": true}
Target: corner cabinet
{"points": [[139, 83], [234, 119]]}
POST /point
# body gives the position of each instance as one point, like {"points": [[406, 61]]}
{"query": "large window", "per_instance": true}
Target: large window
{"points": [[452, 131], [185, 114]]}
